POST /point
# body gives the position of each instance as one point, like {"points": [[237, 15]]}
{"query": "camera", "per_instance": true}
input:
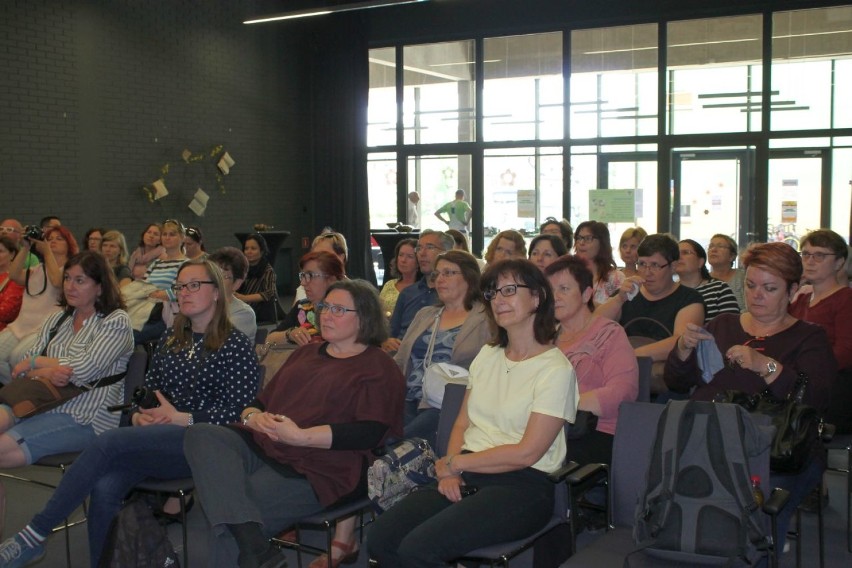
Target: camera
{"points": [[142, 397], [33, 232]]}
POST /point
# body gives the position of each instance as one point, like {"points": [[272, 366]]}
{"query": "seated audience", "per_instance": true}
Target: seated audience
{"points": [[114, 249], [92, 239], [88, 340], [10, 291], [560, 228], [260, 289], [42, 285], [628, 245], [508, 436], [607, 371], [13, 229], [331, 242], [591, 241], [662, 308], [506, 245], [422, 293], [545, 249], [405, 272], [462, 330], [829, 304], [193, 243], [305, 442], [721, 254], [319, 270], [692, 272], [764, 347], [148, 250], [203, 370]]}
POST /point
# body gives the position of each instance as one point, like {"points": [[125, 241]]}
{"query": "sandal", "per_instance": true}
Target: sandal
{"points": [[349, 556]]}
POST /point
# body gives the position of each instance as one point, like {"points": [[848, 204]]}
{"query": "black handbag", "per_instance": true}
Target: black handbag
{"points": [[584, 423], [797, 425]]}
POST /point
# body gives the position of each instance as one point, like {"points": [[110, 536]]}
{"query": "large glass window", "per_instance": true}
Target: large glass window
{"points": [[436, 179], [522, 97], [841, 188], [439, 102], [381, 109], [714, 75], [614, 81], [811, 50], [381, 187]]}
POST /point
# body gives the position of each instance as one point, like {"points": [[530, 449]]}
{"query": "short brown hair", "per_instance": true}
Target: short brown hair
{"points": [[527, 273], [827, 238], [95, 266], [372, 323], [509, 235], [469, 271], [779, 259]]}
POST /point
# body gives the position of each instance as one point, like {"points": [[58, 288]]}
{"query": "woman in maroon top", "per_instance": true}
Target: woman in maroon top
{"points": [[829, 305], [764, 347], [305, 442]]}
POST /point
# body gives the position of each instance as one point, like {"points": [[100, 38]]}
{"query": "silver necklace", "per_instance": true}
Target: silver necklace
{"points": [[506, 362]]}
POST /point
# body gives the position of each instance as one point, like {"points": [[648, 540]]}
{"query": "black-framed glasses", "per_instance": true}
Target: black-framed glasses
{"points": [[308, 276], [191, 287], [336, 311], [506, 291], [429, 247], [584, 238], [652, 266], [817, 256]]}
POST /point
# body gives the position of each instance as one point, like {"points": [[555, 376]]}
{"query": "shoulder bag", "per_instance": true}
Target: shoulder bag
{"points": [[404, 467], [797, 425], [28, 397], [437, 376]]}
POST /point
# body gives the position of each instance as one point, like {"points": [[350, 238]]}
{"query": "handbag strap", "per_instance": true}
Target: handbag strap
{"points": [[797, 391], [53, 331], [427, 362], [3, 285]]}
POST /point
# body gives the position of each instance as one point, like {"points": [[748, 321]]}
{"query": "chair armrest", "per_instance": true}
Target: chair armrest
{"points": [[589, 472], [776, 502], [562, 473], [827, 431]]}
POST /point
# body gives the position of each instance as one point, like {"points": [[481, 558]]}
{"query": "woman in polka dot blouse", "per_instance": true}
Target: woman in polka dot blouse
{"points": [[204, 370]]}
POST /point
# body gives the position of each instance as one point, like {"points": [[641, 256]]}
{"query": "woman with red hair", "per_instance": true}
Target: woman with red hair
{"points": [[42, 285]]}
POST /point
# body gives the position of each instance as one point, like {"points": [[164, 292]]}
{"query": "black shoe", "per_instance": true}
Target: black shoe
{"points": [[169, 518], [273, 557]]}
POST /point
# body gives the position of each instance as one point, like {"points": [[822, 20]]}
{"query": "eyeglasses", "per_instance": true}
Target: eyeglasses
{"points": [[652, 266], [336, 311], [308, 276], [191, 287], [444, 273], [9, 230], [584, 238], [430, 248], [507, 290], [687, 252], [817, 256]]}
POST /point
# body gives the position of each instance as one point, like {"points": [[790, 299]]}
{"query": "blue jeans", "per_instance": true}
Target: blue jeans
{"points": [[108, 469], [49, 433]]}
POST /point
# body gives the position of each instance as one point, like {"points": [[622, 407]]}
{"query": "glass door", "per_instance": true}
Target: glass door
{"points": [[796, 184], [712, 192]]}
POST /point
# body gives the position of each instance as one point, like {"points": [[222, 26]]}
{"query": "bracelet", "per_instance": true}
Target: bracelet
{"points": [[287, 335], [247, 416], [191, 420], [33, 362]]}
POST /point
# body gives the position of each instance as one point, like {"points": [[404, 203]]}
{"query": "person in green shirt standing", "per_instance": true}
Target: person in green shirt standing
{"points": [[458, 211]]}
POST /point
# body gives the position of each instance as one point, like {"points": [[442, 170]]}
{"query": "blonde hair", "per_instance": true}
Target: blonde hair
{"points": [[115, 236], [220, 325]]}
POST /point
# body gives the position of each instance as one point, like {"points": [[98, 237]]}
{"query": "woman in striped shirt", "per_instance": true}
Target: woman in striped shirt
{"points": [[92, 340], [692, 271]]}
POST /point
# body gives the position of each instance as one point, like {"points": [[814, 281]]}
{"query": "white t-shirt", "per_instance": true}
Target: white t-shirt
{"points": [[500, 402]]}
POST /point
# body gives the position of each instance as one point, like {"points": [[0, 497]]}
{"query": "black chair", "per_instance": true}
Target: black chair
{"points": [[630, 458], [844, 443], [645, 364]]}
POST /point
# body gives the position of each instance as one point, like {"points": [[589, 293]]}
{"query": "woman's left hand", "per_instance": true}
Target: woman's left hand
{"points": [[166, 413], [450, 487], [747, 358], [279, 428]]}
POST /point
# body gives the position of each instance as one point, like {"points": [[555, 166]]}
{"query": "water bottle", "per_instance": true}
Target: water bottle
{"points": [[756, 490]]}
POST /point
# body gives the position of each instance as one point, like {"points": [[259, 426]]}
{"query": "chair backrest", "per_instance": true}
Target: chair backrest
{"points": [[631, 454], [453, 397], [136, 368], [644, 394], [260, 335]]}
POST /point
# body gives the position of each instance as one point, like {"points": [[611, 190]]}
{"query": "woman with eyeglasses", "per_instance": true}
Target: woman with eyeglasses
{"points": [[148, 250], [11, 293], [259, 290], [319, 270], [331, 242], [829, 304], [764, 348], [591, 241], [93, 237], [721, 254], [114, 249], [508, 436], [193, 243], [460, 329], [305, 442], [203, 371], [691, 269], [42, 285], [405, 271]]}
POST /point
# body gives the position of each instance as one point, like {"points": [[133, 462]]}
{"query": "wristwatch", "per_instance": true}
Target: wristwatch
{"points": [[771, 367]]}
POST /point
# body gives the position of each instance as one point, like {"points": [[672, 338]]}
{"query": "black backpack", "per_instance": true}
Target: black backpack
{"points": [[137, 539], [698, 506]]}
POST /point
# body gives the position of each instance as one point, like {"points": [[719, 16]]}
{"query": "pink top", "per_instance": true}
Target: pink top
{"points": [[834, 315], [606, 367]]}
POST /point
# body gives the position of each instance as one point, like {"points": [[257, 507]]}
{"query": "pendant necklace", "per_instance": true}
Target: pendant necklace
{"points": [[195, 343], [506, 362]]}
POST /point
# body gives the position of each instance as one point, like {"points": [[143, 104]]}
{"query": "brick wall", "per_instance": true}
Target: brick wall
{"points": [[96, 96]]}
